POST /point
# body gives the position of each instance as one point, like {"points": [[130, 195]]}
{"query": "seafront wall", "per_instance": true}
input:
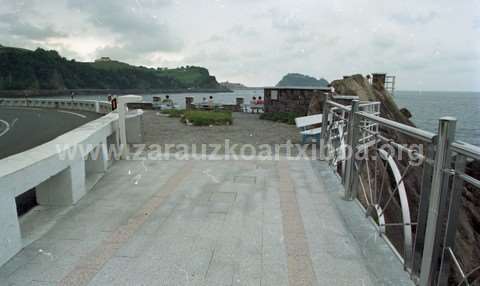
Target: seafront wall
{"points": [[60, 175], [101, 107], [68, 92]]}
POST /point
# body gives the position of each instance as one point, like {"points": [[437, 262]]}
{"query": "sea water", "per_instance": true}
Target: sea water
{"points": [[426, 107]]}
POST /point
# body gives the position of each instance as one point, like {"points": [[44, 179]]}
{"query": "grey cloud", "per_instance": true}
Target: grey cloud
{"points": [[211, 55], [413, 19], [383, 42], [243, 31], [14, 26], [258, 41], [476, 23], [137, 27], [285, 21], [215, 39]]}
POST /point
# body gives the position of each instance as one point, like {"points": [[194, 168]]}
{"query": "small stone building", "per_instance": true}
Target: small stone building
{"points": [[291, 99]]}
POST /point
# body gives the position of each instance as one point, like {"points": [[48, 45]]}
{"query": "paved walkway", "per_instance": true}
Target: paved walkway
{"points": [[205, 223]]}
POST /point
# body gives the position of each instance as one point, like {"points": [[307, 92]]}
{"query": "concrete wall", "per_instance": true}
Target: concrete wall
{"points": [[62, 170], [102, 107]]}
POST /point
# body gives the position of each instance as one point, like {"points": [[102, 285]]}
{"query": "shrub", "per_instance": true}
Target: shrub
{"points": [[284, 117], [206, 118], [174, 112]]}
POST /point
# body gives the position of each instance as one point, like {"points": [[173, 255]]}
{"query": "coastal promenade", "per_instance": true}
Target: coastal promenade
{"points": [[168, 221], [176, 222]]}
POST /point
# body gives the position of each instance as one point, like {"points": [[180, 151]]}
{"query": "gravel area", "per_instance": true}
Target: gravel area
{"points": [[246, 129]]}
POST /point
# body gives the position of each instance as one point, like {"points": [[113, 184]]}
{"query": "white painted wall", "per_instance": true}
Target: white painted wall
{"points": [[59, 180], [102, 107]]}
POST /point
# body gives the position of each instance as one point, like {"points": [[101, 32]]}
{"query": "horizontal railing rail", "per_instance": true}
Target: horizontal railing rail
{"points": [[405, 129], [102, 107], [437, 172], [466, 149]]}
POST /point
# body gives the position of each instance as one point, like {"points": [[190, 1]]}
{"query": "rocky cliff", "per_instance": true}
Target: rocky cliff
{"points": [[358, 85]]}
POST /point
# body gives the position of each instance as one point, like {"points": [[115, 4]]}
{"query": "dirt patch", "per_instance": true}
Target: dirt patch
{"points": [[246, 129]]}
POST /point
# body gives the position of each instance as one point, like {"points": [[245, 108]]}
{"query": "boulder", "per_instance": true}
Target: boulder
{"points": [[406, 113], [316, 104]]}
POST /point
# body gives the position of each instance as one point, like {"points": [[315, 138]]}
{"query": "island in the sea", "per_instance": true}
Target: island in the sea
{"points": [[42, 72], [233, 85], [297, 79]]}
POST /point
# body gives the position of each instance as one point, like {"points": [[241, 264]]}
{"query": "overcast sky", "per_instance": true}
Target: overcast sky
{"points": [[428, 45]]}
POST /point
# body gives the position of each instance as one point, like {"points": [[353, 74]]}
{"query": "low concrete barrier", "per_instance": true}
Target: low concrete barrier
{"points": [[102, 107], [62, 171]]}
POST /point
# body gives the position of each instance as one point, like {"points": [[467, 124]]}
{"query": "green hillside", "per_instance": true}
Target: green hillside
{"points": [[22, 69]]}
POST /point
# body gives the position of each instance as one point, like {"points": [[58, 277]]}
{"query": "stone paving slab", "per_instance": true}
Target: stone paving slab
{"points": [[207, 223]]}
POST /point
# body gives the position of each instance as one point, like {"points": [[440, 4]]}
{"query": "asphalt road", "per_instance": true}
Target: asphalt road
{"points": [[24, 128]]}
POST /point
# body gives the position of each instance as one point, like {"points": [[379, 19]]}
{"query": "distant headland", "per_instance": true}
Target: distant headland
{"points": [[41, 72]]}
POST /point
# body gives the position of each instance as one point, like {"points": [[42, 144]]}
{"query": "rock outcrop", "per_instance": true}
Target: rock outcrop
{"points": [[359, 86], [316, 104], [468, 231]]}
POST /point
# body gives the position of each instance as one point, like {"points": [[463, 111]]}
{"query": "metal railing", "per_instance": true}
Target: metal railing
{"points": [[410, 183]]}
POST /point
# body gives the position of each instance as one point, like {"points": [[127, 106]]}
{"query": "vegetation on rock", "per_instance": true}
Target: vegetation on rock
{"points": [[22, 69]]}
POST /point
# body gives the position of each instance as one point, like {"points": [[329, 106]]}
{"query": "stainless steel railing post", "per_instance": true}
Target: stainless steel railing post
{"points": [[352, 140], [425, 186], [437, 208], [324, 139], [454, 206]]}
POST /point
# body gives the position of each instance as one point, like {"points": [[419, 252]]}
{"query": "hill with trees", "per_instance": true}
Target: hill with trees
{"points": [[296, 79], [22, 69]]}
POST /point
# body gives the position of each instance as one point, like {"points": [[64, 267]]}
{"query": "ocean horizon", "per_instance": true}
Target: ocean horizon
{"points": [[426, 106]]}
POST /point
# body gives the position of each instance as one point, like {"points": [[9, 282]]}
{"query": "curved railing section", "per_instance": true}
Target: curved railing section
{"points": [[410, 183]]}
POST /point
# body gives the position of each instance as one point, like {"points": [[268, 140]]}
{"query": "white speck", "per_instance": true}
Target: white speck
{"points": [[45, 253], [136, 179], [214, 179]]}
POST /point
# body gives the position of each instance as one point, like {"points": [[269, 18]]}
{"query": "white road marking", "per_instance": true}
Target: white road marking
{"points": [[73, 113], [7, 125], [24, 108], [13, 122]]}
